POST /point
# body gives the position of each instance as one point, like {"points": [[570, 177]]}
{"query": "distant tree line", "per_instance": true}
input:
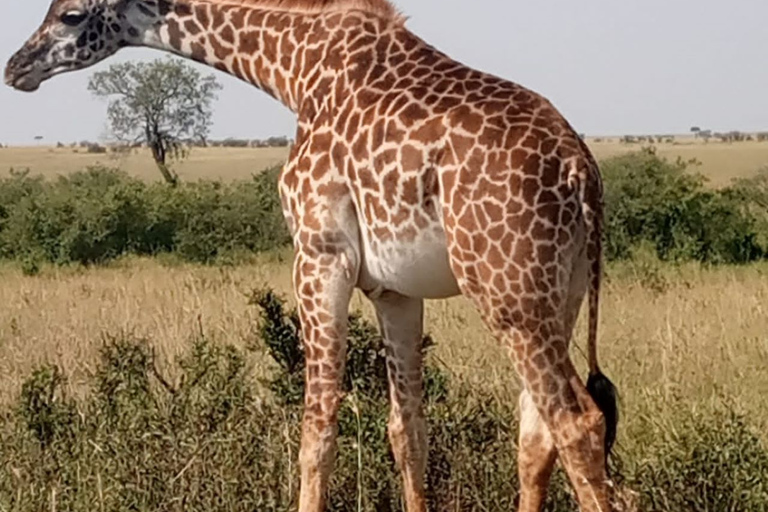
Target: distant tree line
{"points": [[635, 139], [231, 142]]}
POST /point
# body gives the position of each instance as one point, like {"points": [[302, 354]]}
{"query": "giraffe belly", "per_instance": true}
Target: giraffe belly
{"points": [[416, 268]]}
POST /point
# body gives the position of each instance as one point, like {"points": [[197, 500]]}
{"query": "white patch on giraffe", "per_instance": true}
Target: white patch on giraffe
{"points": [[417, 268]]}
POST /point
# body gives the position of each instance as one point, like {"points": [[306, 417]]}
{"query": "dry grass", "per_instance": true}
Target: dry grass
{"points": [[720, 162], [667, 334], [216, 163]]}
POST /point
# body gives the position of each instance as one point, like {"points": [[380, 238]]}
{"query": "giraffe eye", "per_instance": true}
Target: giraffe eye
{"points": [[73, 18]]}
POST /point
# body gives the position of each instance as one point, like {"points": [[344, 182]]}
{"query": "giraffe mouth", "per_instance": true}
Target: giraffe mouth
{"points": [[24, 82], [29, 80]]}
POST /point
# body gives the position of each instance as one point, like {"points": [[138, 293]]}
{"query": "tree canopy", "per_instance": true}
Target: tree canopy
{"points": [[163, 103]]}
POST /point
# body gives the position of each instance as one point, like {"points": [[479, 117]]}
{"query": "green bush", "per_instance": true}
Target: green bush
{"points": [[218, 219], [88, 217], [706, 463], [99, 214], [650, 200], [751, 195]]}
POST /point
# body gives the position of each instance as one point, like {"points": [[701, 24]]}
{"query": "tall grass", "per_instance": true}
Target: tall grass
{"points": [[685, 344], [212, 438]]}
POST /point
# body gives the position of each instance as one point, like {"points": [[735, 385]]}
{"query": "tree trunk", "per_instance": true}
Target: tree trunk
{"points": [[159, 154]]}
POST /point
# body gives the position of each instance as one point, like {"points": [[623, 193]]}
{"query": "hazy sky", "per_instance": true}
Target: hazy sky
{"points": [[611, 66]]}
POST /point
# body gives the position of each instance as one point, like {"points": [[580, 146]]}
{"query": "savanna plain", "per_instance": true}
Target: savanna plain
{"points": [[154, 382]]}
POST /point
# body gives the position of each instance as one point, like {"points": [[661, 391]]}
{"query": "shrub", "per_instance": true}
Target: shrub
{"points": [[651, 200], [216, 219], [751, 197], [89, 217], [706, 463], [99, 214]]}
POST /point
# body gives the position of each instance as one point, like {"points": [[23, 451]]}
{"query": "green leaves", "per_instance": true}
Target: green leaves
{"points": [[101, 214], [649, 200]]}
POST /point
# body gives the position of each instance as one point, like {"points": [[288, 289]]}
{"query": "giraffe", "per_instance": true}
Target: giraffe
{"points": [[412, 177]]}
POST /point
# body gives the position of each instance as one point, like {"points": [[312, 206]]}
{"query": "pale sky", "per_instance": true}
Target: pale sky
{"points": [[611, 66]]}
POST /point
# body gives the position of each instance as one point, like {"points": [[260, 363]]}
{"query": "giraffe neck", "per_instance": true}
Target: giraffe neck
{"points": [[279, 52]]}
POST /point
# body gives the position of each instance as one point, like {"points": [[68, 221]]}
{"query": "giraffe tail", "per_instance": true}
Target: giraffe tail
{"points": [[600, 388]]}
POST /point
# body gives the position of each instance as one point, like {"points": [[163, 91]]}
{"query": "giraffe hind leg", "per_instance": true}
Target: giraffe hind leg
{"points": [[536, 456], [569, 415], [401, 322]]}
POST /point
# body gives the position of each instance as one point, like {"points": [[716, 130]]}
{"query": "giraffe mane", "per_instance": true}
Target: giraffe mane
{"points": [[382, 8]]}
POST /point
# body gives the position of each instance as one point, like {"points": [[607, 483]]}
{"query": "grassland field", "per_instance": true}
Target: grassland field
{"points": [[672, 337], [690, 331], [719, 162]]}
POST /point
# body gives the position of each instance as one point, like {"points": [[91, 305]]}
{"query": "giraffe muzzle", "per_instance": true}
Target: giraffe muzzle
{"points": [[24, 69]]}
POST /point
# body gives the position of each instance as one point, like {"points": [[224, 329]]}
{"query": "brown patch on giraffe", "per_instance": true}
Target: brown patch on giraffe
{"points": [[202, 16], [411, 159], [217, 16], [192, 27], [366, 98], [461, 146], [236, 69], [413, 114], [333, 190], [467, 119], [321, 167], [249, 42], [491, 137], [352, 127], [377, 71], [549, 212], [175, 33], [320, 143], [394, 133], [399, 218], [367, 179], [388, 189], [198, 52], [410, 194], [542, 233], [550, 174], [400, 102], [384, 159], [227, 35], [237, 17], [179, 9], [421, 220], [220, 51], [270, 46], [360, 147], [530, 189], [546, 253]]}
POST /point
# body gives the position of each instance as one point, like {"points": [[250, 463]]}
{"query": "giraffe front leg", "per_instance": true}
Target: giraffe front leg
{"points": [[401, 321], [324, 282]]}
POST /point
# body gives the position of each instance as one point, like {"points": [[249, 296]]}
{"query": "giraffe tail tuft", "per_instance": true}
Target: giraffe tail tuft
{"points": [[604, 393]]}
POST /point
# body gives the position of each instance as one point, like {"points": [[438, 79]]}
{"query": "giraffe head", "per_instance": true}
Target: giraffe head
{"points": [[76, 34]]}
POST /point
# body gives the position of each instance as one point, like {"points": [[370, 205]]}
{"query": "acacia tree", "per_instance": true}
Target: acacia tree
{"points": [[162, 103]]}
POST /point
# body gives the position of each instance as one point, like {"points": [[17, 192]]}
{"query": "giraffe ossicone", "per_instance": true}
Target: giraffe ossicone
{"points": [[412, 177]]}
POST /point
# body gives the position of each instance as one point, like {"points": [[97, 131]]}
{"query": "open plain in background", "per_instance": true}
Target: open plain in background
{"points": [[719, 161]]}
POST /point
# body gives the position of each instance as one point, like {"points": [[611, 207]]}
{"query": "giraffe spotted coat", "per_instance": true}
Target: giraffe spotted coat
{"points": [[413, 176]]}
